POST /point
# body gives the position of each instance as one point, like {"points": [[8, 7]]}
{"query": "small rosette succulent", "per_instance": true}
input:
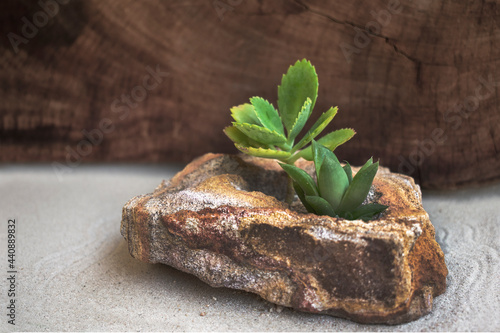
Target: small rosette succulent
{"points": [[260, 130], [336, 192]]}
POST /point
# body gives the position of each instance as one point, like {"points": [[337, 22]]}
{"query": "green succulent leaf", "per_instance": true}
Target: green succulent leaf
{"points": [[263, 152], [334, 139], [260, 134], [245, 113], [320, 206], [267, 114], [366, 165], [317, 128], [240, 138], [302, 197], [302, 178], [301, 120], [319, 153], [332, 180], [299, 83], [331, 141], [348, 171], [366, 212], [358, 190]]}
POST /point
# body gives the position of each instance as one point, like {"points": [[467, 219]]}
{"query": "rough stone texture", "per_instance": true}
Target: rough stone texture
{"points": [[221, 219]]}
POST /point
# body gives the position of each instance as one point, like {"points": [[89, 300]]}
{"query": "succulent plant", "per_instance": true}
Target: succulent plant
{"points": [[260, 130], [336, 192]]}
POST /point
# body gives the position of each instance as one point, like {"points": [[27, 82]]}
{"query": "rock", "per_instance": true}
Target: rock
{"points": [[222, 219]]}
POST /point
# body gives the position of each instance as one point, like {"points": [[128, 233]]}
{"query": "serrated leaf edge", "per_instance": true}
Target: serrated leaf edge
{"points": [[264, 129], [303, 110], [279, 154], [280, 129]]}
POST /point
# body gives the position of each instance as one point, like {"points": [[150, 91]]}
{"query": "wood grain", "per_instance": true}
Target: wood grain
{"points": [[415, 86]]}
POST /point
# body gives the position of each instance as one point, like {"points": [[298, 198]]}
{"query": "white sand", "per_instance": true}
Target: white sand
{"points": [[75, 273]]}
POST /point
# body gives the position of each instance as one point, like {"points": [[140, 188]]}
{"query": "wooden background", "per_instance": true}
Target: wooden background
{"points": [[416, 79]]}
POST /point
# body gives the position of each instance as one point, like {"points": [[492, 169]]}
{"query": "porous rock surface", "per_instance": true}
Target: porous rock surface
{"points": [[222, 219]]}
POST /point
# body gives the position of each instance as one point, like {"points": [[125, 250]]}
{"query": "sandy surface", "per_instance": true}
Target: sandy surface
{"points": [[75, 273]]}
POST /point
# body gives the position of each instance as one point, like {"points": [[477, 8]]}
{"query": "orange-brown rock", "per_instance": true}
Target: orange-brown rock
{"points": [[222, 219]]}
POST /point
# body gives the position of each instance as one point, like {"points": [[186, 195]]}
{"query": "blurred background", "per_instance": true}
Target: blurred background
{"points": [[153, 81]]}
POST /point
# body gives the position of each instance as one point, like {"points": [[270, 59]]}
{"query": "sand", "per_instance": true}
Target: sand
{"points": [[74, 272]]}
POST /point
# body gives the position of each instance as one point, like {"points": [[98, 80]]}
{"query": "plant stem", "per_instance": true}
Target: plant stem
{"points": [[292, 159]]}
